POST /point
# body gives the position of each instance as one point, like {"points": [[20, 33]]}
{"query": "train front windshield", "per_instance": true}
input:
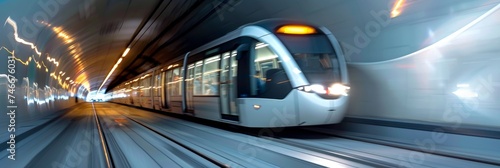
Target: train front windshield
{"points": [[315, 56]]}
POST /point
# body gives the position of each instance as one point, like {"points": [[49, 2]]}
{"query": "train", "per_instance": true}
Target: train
{"points": [[270, 73]]}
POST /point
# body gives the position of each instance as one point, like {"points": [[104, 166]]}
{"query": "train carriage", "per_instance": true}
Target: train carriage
{"points": [[272, 73]]}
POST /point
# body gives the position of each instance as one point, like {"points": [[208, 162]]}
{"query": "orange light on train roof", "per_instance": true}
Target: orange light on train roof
{"points": [[296, 29]]}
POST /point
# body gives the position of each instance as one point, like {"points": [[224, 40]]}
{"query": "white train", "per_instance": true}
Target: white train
{"points": [[272, 73]]}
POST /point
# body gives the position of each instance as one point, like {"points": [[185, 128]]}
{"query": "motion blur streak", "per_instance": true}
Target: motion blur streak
{"points": [[18, 39], [443, 41]]}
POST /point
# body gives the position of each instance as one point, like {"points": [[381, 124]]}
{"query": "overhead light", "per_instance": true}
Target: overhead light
{"points": [[125, 52], [113, 69], [67, 78]]}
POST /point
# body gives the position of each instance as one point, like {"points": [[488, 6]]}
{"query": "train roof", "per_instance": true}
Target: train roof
{"points": [[268, 24]]}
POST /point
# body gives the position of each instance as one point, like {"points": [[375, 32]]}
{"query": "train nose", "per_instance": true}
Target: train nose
{"points": [[337, 109]]}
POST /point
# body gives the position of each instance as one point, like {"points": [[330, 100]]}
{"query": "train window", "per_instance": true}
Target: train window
{"points": [[307, 44], [234, 63], [157, 85], [174, 82], [197, 78], [169, 82], [270, 79], [264, 66], [190, 73], [190, 78], [179, 81], [319, 68], [128, 90], [145, 86], [315, 56], [210, 81], [135, 87], [230, 55], [225, 68]]}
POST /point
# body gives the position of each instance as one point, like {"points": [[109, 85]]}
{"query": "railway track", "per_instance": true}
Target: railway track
{"points": [[368, 161], [106, 140], [284, 148], [102, 138], [403, 146], [367, 154], [214, 161]]}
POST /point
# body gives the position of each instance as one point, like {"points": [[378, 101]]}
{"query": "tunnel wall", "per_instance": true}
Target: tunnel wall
{"points": [[456, 80], [30, 105]]}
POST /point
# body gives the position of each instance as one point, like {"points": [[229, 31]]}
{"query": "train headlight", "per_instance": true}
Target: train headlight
{"points": [[320, 89], [316, 88], [338, 89]]}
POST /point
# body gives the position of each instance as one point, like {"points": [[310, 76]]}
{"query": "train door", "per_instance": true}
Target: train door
{"points": [[164, 95], [189, 89], [174, 78], [146, 96], [129, 94], [228, 103], [168, 89], [135, 92], [265, 97], [157, 90]]}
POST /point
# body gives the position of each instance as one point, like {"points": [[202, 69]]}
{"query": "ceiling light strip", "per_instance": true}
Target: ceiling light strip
{"points": [[113, 69]]}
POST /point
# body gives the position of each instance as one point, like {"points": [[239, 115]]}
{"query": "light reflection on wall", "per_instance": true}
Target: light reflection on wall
{"points": [[36, 95], [36, 98], [81, 78], [454, 79]]}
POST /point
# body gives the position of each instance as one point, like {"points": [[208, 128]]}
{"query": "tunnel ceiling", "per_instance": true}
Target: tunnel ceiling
{"points": [[86, 38], [202, 21]]}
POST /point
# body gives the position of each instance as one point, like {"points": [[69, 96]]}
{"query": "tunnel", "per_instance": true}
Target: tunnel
{"points": [[250, 83]]}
